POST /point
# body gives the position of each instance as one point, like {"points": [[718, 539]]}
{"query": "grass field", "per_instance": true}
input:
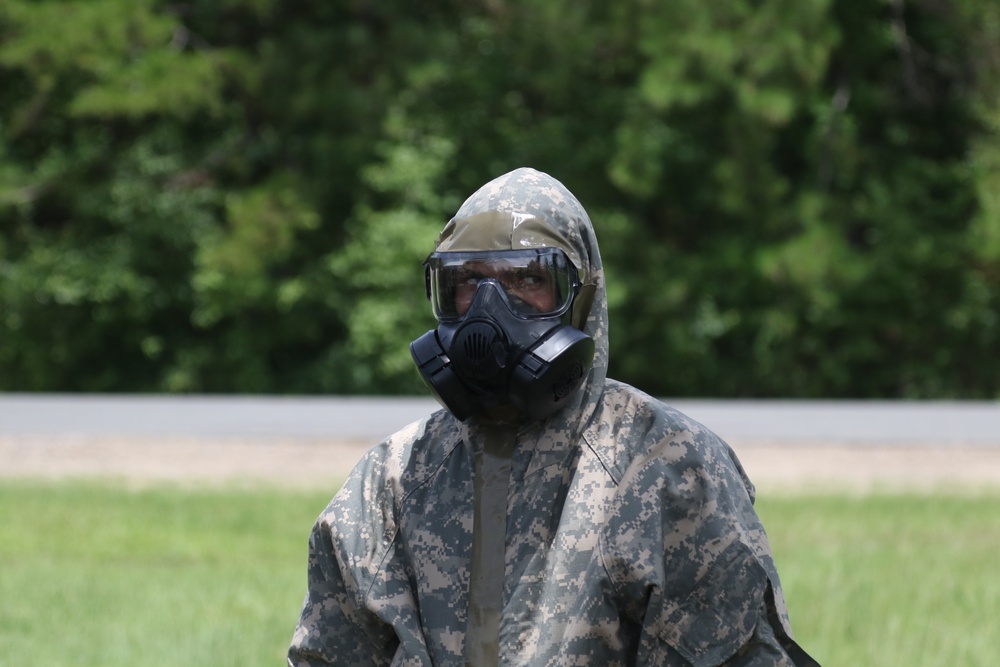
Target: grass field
{"points": [[99, 575]]}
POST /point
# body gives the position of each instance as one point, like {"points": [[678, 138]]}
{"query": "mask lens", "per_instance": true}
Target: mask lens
{"points": [[539, 282]]}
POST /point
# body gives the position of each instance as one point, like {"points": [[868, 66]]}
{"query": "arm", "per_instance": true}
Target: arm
{"points": [[691, 561], [332, 628], [729, 619], [346, 550]]}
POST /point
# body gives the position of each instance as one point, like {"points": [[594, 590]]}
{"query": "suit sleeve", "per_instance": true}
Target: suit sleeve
{"points": [[336, 625], [332, 628], [690, 560]]}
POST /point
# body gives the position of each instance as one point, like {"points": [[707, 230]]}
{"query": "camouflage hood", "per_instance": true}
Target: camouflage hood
{"points": [[526, 208]]}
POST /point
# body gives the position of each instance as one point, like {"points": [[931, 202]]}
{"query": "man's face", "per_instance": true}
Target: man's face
{"points": [[530, 284]]}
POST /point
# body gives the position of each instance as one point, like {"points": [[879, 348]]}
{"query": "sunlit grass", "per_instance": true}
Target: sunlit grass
{"points": [[893, 579], [101, 575], [104, 576]]}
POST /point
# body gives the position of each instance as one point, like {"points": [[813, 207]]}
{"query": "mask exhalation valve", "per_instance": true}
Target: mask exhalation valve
{"points": [[484, 351]]}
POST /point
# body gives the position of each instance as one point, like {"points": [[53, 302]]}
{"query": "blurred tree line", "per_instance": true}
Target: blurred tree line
{"points": [[794, 197]]}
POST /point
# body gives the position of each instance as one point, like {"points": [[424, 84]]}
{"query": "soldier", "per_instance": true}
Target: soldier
{"points": [[548, 515]]}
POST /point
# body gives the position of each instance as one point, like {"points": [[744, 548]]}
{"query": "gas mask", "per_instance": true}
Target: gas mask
{"points": [[503, 338]]}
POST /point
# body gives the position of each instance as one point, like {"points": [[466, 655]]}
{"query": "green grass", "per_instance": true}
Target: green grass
{"points": [[104, 576], [890, 580]]}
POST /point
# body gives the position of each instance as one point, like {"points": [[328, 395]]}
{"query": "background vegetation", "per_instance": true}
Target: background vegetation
{"points": [[794, 197], [99, 575]]}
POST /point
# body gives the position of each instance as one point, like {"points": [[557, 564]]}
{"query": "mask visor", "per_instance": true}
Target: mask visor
{"points": [[537, 282]]}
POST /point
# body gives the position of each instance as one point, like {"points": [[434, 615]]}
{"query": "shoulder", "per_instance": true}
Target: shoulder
{"points": [[361, 519], [631, 429], [678, 483], [405, 458], [371, 494]]}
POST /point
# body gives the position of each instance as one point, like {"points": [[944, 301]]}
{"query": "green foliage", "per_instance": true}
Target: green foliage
{"points": [[375, 269], [794, 198], [826, 248]]}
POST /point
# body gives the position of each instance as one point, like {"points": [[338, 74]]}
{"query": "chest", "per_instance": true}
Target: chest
{"points": [[540, 541]]}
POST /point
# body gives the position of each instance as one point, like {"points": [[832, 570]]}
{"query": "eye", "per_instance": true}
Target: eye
{"points": [[468, 279], [527, 280]]}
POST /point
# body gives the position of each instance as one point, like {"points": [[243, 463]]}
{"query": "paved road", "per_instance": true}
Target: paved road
{"points": [[932, 423]]}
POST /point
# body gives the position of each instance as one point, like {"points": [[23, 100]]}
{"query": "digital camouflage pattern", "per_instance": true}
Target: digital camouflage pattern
{"points": [[616, 532]]}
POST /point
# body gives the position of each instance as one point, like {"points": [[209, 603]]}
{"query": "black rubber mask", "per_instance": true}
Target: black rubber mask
{"points": [[499, 354]]}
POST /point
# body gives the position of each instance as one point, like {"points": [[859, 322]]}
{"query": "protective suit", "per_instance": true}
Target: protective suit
{"points": [[614, 531]]}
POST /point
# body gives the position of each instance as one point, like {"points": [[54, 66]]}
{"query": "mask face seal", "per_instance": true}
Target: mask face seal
{"points": [[503, 337]]}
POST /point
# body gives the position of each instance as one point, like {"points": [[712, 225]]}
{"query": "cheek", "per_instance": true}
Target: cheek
{"points": [[542, 301], [463, 298]]}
